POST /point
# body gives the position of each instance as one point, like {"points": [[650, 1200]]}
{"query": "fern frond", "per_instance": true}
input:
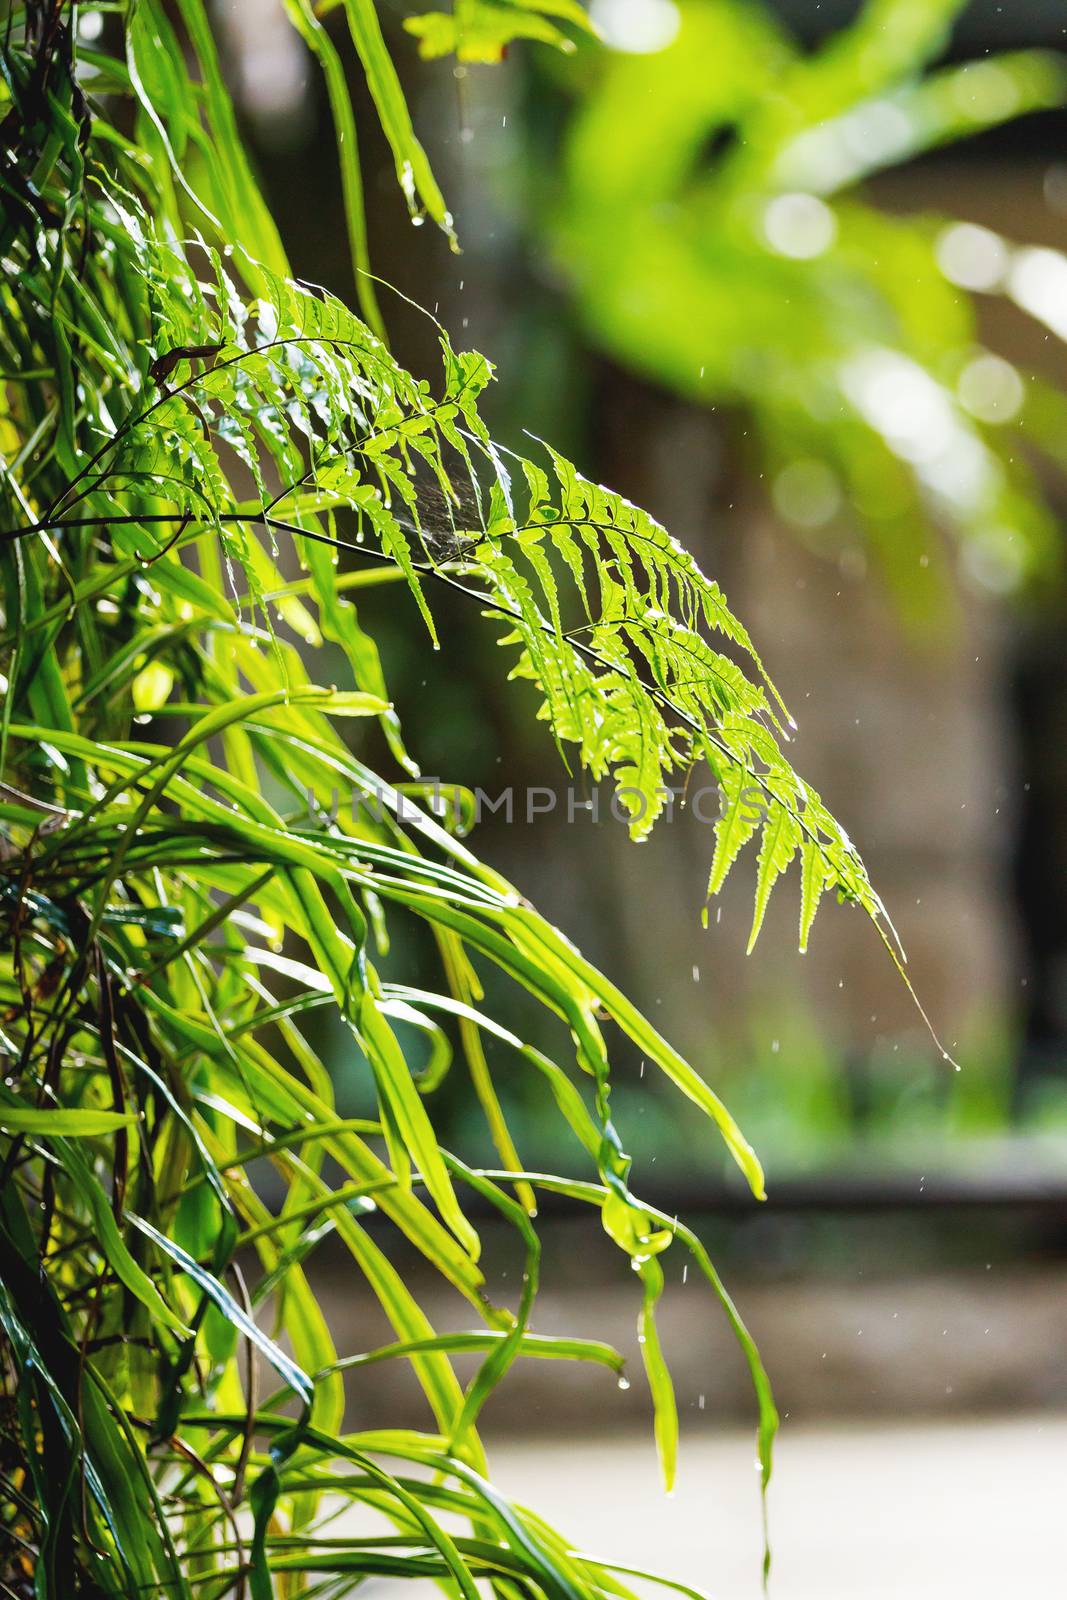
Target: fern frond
{"points": [[611, 617]]}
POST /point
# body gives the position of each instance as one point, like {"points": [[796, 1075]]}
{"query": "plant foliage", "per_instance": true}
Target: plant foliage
{"points": [[710, 209], [203, 462]]}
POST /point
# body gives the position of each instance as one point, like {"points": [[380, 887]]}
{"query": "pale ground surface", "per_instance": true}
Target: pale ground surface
{"points": [[968, 1511]]}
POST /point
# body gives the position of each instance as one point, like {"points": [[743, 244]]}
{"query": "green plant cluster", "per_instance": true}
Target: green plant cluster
{"points": [[711, 204], [204, 462]]}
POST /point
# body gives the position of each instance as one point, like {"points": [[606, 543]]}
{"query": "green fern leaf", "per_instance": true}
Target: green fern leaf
{"points": [[781, 836], [814, 877], [738, 821]]}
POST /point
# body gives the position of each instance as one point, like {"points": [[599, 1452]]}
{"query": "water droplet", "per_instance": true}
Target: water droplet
{"points": [[624, 1383]]}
